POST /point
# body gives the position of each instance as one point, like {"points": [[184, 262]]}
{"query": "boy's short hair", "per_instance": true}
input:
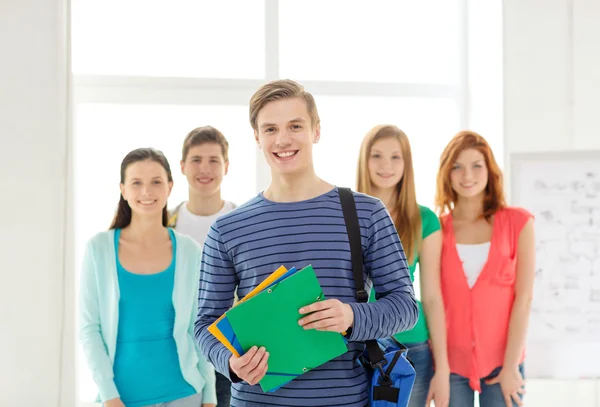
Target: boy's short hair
{"points": [[202, 135], [279, 90]]}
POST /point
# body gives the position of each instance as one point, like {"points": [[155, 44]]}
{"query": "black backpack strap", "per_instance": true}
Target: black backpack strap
{"points": [[353, 230], [376, 356]]}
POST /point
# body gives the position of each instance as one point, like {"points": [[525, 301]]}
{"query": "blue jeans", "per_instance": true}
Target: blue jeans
{"points": [[420, 355], [223, 390], [461, 395]]}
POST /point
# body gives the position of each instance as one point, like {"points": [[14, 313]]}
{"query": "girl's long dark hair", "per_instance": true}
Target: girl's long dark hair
{"points": [[123, 215]]}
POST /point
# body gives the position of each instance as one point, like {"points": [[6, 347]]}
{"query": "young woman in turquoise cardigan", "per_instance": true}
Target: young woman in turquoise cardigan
{"points": [[139, 299]]}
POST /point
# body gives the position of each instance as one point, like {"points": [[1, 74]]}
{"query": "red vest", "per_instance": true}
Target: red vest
{"points": [[477, 319]]}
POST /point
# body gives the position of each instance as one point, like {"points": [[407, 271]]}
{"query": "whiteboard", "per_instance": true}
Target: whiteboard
{"points": [[562, 190]]}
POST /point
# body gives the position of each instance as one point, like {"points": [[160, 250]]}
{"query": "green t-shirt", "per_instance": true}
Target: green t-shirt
{"points": [[429, 224]]}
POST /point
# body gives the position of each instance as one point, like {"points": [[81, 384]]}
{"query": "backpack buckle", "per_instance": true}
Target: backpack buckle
{"points": [[362, 296], [384, 378]]}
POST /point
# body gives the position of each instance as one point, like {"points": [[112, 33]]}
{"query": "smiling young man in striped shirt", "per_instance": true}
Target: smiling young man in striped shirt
{"points": [[297, 221]]}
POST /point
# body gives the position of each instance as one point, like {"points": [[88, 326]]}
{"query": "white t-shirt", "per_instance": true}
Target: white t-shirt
{"points": [[195, 226], [473, 257]]}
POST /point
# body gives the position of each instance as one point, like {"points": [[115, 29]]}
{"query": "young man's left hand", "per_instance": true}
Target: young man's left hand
{"points": [[329, 315]]}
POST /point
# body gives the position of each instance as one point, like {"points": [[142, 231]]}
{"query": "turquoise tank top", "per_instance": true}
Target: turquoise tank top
{"points": [[146, 365]]}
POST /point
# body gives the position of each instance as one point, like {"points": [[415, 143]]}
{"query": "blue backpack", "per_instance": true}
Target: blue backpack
{"points": [[391, 373]]}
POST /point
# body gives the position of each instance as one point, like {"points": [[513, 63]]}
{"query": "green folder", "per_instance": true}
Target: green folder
{"points": [[270, 319]]}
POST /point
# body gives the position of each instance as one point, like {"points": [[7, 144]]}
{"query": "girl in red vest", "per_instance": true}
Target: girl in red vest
{"points": [[487, 274]]}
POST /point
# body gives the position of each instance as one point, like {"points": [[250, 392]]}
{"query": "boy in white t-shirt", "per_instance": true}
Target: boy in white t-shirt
{"points": [[204, 162]]}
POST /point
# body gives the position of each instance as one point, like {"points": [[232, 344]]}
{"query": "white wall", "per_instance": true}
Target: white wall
{"points": [[551, 86], [33, 142]]}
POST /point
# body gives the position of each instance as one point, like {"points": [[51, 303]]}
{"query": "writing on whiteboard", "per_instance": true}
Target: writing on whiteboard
{"points": [[566, 204]]}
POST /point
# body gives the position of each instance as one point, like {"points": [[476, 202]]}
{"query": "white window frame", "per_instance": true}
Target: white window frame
{"points": [[203, 91], [213, 91]]}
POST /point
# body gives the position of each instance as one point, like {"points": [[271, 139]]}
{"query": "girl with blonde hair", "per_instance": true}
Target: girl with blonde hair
{"points": [[385, 171]]}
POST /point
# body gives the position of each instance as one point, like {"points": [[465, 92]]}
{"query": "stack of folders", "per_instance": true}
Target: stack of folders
{"points": [[268, 316]]}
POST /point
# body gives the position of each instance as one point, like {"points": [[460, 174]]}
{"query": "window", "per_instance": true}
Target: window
{"points": [[428, 123], [107, 132], [147, 72], [382, 41], [179, 38]]}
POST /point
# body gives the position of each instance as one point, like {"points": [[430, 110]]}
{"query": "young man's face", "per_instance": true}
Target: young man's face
{"points": [[286, 135], [204, 167]]}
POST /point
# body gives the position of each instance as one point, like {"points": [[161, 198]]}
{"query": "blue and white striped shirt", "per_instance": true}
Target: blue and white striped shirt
{"points": [[246, 245]]}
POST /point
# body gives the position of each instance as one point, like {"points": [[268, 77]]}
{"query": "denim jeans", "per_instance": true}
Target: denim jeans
{"points": [[420, 355], [223, 390], [461, 395]]}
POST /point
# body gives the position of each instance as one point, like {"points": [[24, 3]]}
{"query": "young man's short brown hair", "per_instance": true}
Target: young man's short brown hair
{"points": [[279, 90], [202, 135]]}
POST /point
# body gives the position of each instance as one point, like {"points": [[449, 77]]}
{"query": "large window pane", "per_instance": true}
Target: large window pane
{"points": [[429, 124], [105, 133], [376, 41], [178, 38]]}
